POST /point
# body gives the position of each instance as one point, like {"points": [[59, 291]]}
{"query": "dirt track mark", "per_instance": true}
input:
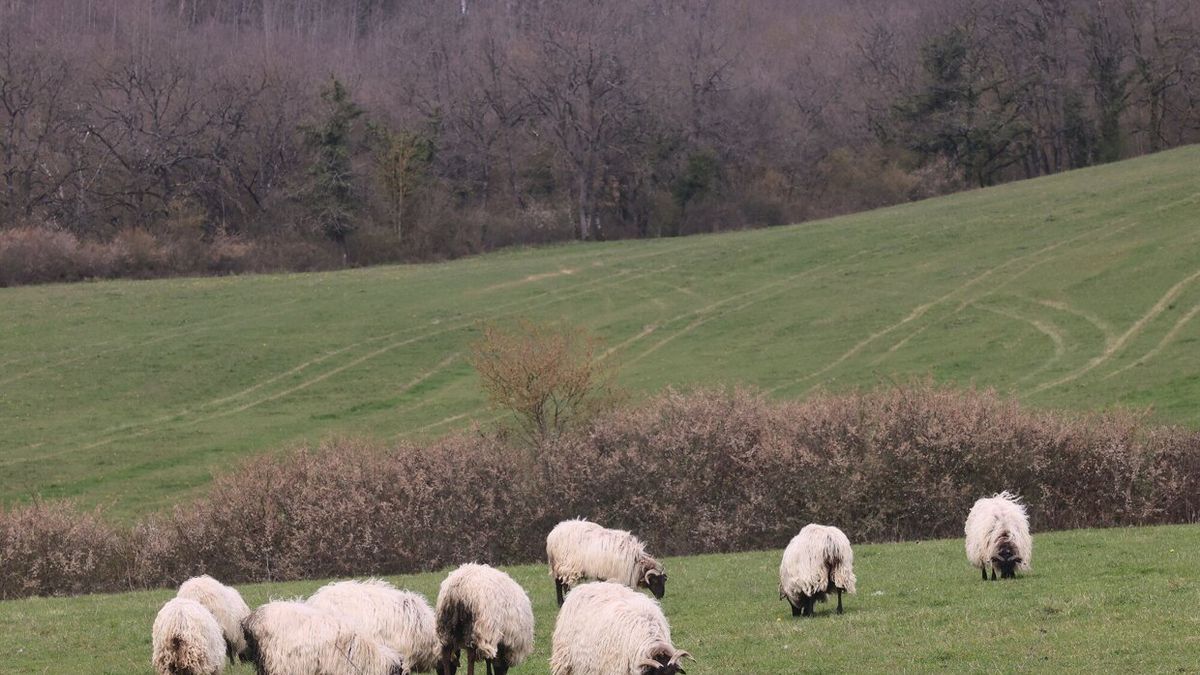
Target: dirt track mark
{"points": [[215, 322], [1183, 321], [705, 314], [1048, 329], [918, 312], [527, 280], [1125, 337], [1101, 325], [619, 277]]}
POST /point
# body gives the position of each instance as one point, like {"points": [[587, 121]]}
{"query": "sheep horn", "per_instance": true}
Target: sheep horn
{"points": [[681, 655], [649, 663]]}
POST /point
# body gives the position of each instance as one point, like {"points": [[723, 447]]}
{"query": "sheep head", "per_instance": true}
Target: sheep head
{"points": [[664, 661], [500, 663], [653, 576], [1006, 558]]}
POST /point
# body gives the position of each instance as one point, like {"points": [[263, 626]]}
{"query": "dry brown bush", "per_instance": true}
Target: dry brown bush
{"points": [[53, 549], [709, 471], [31, 254], [551, 377]]}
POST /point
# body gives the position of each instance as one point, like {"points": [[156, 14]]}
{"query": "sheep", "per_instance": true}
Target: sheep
{"points": [[225, 604], [997, 535], [578, 548], [483, 610], [816, 562], [293, 638], [186, 640], [606, 628], [402, 620]]}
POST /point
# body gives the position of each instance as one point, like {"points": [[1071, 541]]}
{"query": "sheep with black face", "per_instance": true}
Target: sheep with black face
{"points": [[579, 549], [606, 628], [997, 536]]}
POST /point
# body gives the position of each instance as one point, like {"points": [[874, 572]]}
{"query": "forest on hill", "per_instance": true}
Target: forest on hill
{"points": [[152, 137]]}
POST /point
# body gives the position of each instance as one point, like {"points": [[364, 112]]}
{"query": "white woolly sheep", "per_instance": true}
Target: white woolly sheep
{"points": [[186, 640], [484, 611], [292, 638], [402, 620], [578, 549], [997, 532], [606, 628], [225, 604], [816, 562]]}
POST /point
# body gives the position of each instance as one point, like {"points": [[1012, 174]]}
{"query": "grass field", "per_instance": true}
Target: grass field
{"points": [[1096, 601], [1078, 290]]}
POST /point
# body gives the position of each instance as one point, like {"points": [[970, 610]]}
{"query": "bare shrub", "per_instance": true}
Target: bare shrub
{"points": [[50, 548], [710, 471], [549, 376], [34, 254]]}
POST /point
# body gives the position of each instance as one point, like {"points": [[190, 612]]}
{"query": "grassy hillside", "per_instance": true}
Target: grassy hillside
{"points": [[1078, 290], [1111, 600]]}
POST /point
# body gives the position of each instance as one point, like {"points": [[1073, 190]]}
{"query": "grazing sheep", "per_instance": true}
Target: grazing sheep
{"points": [[997, 532], [577, 549], [483, 610], [186, 640], [227, 607], [292, 638], [816, 562], [400, 619], [608, 629]]}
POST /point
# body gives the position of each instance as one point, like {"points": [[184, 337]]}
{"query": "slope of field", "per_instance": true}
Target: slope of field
{"points": [[1097, 600], [1078, 290]]}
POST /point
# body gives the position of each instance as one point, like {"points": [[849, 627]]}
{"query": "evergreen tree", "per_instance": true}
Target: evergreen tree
{"points": [[332, 194]]}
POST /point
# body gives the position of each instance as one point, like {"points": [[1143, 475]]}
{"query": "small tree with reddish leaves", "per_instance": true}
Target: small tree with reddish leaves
{"points": [[549, 376]]}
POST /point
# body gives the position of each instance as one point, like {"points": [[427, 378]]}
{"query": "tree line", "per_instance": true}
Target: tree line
{"points": [[373, 130]]}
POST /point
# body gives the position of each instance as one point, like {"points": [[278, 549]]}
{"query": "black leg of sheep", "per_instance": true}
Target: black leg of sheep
{"points": [[558, 590], [984, 570], [993, 574], [839, 609]]}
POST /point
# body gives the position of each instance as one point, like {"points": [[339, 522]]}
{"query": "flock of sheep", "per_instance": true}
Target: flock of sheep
{"points": [[604, 627]]}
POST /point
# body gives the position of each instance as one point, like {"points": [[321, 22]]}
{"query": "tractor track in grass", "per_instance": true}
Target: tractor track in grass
{"points": [[713, 310], [1101, 325], [1048, 329], [184, 331], [303, 366], [920, 310], [525, 304], [706, 313], [1167, 339], [1133, 331]]}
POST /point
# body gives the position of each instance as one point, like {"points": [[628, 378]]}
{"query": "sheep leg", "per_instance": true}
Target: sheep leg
{"points": [[839, 609], [795, 607], [489, 666], [984, 570], [470, 662], [993, 573], [558, 589]]}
